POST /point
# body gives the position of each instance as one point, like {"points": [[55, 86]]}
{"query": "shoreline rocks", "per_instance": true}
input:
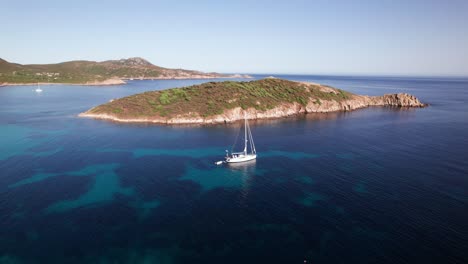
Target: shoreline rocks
{"points": [[283, 110]]}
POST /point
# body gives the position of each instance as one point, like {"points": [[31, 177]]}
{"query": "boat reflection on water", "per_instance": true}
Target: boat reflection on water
{"points": [[246, 170]]}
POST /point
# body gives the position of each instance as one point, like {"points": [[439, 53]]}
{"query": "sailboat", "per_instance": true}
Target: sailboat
{"points": [[236, 157], [38, 89]]}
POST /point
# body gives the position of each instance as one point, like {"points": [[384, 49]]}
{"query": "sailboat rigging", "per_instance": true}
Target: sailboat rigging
{"points": [[245, 155]]}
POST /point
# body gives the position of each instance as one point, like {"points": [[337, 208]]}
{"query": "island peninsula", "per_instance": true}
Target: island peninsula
{"points": [[227, 101]]}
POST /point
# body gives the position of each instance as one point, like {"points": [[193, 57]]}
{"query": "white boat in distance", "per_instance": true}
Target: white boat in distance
{"points": [[38, 89], [236, 157]]}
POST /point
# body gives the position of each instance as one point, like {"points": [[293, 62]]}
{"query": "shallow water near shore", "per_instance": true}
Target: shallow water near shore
{"points": [[384, 185]]}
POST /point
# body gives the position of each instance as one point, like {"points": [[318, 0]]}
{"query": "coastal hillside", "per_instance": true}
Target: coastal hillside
{"points": [[92, 72], [217, 102]]}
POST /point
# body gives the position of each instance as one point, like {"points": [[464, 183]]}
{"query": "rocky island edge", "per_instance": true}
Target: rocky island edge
{"points": [[224, 102]]}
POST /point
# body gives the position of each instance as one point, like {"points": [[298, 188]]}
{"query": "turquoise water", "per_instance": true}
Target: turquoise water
{"points": [[381, 185]]}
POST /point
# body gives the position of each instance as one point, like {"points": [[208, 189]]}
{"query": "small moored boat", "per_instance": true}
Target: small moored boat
{"points": [[38, 89], [236, 157]]}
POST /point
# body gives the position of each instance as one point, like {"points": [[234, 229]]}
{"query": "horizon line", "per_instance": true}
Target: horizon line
{"points": [[386, 75], [392, 75]]}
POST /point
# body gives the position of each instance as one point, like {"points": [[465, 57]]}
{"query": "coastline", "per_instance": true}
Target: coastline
{"points": [[107, 82], [194, 77], [122, 81], [400, 100]]}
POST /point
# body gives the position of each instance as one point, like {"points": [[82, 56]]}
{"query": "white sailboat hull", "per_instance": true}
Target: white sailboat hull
{"points": [[241, 158], [244, 156]]}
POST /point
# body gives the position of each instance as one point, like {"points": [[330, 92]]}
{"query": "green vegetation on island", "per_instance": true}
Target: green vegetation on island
{"points": [[82, 72], [213, 98]]}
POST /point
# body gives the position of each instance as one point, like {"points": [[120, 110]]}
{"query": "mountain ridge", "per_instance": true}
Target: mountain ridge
{"points": [[95, 73]]}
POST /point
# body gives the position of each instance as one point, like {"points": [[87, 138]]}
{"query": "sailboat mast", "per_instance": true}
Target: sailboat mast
{"points": [[245, 134], [252, 144]]}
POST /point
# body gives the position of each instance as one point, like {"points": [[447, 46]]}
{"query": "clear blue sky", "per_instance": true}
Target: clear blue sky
{"points": [[301, 37]]}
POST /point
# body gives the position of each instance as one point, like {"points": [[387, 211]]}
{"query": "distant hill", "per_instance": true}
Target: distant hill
{"points": [[228, 101], [92, 72]]}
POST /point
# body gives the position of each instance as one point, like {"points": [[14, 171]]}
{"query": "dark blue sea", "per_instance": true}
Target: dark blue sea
{"points": [[377, 185]]}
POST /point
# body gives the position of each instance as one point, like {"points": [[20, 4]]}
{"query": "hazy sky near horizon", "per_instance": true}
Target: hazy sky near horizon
{"points": [[299, 37]]}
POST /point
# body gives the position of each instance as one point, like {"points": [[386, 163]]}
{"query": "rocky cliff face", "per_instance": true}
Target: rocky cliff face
{"points": [[287, 109], [324, 106], [400, 99]]}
